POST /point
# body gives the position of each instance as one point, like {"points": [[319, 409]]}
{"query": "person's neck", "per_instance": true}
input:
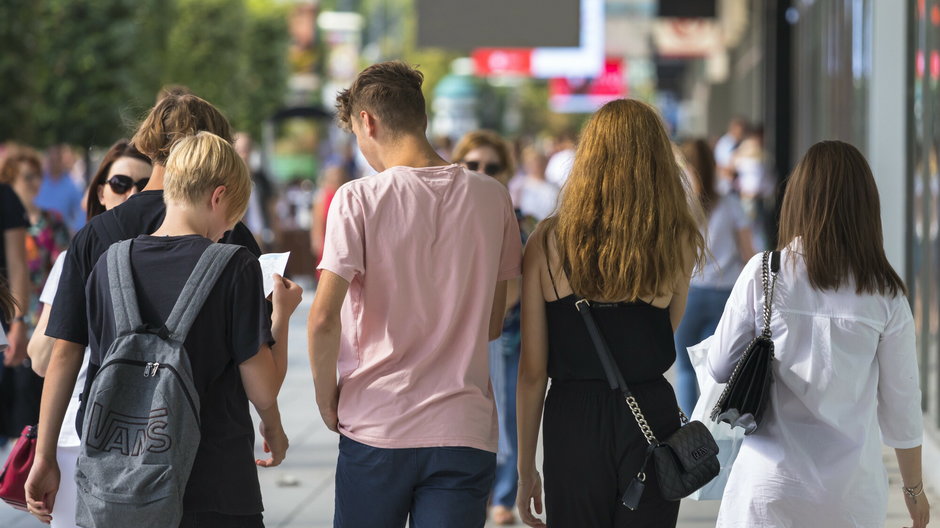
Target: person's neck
{"points": [[411, 151], [181, 221], [156, 178], [33, 211]]}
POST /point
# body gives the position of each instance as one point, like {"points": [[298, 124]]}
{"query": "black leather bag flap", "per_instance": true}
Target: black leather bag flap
{"points": [[692, 444]]}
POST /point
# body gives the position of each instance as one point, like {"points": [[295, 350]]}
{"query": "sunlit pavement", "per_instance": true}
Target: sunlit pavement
{"points": [[299, 493]]}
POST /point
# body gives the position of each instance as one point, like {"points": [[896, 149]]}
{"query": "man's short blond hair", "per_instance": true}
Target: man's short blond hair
{"points": [[198, 164]]}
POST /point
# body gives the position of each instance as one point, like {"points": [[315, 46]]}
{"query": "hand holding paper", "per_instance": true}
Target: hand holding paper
{"points": [[272, 263]]}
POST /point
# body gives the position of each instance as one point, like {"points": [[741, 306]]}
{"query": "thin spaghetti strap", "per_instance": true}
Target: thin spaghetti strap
{"points": [[551, 276]]}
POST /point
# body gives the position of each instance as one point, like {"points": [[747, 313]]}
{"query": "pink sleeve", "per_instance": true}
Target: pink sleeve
{"points": [[344, 247], [510, 258]]}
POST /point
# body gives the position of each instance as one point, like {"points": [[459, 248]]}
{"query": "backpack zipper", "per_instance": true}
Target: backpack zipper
{"points": [[150, 370]]}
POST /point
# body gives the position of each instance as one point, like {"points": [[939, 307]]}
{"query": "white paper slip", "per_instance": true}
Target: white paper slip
{"points": [[272, 263]]}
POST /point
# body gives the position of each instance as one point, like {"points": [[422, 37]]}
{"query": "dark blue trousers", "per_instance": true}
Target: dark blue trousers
{"points": [[433, 486]]}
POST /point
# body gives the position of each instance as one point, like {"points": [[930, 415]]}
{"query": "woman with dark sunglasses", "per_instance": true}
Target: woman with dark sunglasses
{"points": [[123, 172]]}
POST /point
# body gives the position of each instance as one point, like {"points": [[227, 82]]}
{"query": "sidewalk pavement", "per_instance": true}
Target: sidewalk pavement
{"points": [[299, 493]]}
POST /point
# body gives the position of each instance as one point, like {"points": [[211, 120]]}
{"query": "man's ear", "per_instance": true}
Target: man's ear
{"points": [[368, 123]]}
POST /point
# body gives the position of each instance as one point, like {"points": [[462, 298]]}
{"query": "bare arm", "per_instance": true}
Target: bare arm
{"points": [[680, 291], [14, 241], [324, 330], [533, 379], [318, 227], [43, 482], [909, 462], [40, 345], [745, 242], [498, 313]]}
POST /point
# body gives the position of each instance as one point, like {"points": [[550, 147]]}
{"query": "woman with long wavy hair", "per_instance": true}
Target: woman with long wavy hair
{"points": [[625, 238]]}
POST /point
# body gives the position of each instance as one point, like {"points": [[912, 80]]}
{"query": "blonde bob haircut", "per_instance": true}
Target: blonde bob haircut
{"points": [[198, 164], [625, 228]]}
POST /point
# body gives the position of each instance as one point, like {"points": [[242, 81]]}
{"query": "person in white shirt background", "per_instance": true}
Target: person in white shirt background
{"points": [[724, 152], [845, 375], [537, 197], [559, 163]]}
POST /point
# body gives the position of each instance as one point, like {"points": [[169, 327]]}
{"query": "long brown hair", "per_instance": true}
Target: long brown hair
{"points": [[701, 164], [624, 224], [831, 204], [121, 149]]}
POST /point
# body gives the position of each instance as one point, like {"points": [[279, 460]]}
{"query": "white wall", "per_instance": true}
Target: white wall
{"points": [[887, 122]]}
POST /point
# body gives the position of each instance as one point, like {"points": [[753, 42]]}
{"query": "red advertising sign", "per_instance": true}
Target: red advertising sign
{"points": [[587, 95], [502, 61]]}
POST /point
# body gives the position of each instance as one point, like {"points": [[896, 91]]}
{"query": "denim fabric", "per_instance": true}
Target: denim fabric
{"points": [[504, 369], [702, 313], [433, 486]]}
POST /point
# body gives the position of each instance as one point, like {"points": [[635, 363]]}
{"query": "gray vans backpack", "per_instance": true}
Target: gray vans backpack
{"points": [[141, 427]]}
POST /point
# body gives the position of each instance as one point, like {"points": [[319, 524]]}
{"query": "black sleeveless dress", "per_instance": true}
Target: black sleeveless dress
{"points": [[593, 446]]}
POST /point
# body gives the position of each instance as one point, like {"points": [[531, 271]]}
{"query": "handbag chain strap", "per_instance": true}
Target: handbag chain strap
{"points": [[769, 269], [614, 377]]}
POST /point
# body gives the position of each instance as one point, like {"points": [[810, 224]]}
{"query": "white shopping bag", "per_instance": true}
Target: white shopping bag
{"points": [[728, 439]]}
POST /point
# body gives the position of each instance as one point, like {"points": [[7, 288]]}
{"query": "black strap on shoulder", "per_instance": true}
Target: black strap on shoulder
{"points": [[551, 276], [775, 261], [614, 377]]}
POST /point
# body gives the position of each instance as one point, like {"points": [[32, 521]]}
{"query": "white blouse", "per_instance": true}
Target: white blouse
{"points": [[845, 380]]}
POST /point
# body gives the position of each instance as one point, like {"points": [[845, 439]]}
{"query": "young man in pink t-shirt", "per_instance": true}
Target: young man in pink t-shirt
{"points": [[413, 286]]}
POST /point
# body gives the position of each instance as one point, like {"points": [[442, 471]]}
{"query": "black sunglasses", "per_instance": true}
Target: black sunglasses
{"points": [[490, 169], [121, 184]]}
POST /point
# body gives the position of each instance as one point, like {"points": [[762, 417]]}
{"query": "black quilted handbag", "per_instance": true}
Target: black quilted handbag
{"points": [[747, 392], [684, 462]]}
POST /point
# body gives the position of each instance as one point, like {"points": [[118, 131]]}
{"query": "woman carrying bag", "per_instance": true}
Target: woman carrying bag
{"points": [[844, 367], [624, 240]]}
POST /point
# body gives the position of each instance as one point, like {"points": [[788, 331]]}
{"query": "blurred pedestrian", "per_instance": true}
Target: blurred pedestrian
{"points": [[258, 219], [845, 377], [122, 170], [560, 162], [484, 151], [58, 191], [413, 283], [18, 405], [333, 178], [625, 239], [728, 238], [724, 153], [47, 236], [173, 118], [537, 197], [755, 185]]}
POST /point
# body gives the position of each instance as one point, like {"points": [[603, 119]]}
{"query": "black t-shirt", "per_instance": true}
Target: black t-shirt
{"points": [[12, 216], [232, 325], [141, 214]]}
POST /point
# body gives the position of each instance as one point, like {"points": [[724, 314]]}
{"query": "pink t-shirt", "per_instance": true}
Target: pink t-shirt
{"points": [[422, 250]]}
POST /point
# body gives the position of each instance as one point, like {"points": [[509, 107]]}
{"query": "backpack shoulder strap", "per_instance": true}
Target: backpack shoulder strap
{"points": [[197, 288], [121, 286]]}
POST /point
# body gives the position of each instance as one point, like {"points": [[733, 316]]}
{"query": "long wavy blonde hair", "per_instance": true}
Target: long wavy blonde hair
{"points": [[625, 228]]}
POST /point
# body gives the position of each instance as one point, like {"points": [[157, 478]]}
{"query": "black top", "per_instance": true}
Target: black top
{"points": [[12, 216], [638, 334], [141, 214], [232, 325]]}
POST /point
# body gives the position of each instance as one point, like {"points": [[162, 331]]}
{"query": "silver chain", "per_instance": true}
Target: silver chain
{"points": [[769, 282], [641, 420]]}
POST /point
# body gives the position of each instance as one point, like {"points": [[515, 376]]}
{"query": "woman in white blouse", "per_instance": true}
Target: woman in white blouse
{"points": [[845, 368]]}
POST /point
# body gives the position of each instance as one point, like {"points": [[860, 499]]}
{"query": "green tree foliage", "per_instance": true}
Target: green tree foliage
{"points": [[83, 72]]}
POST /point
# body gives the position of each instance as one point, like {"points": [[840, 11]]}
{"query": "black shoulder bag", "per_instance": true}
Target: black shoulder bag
{"points": [[684, 462], [745, 397]]}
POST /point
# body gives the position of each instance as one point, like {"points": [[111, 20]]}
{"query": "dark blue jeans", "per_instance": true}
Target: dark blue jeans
{"points": [[434, 486], [702, 313]]}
